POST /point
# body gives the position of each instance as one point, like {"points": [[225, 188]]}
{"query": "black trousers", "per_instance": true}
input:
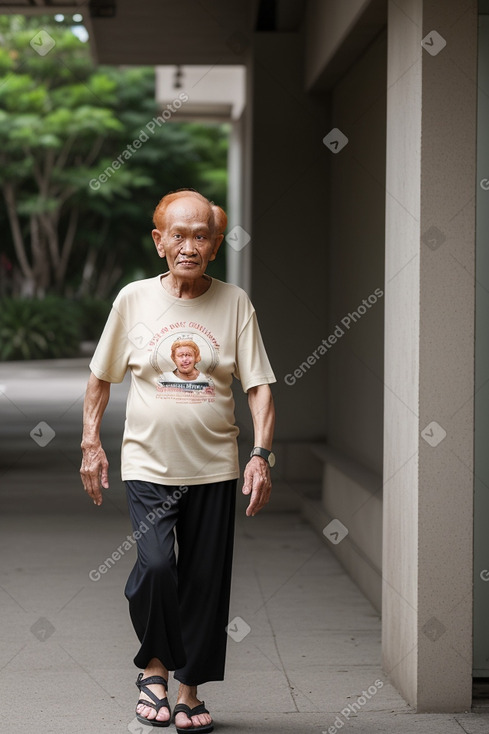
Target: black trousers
{"points": [[179, 601]]}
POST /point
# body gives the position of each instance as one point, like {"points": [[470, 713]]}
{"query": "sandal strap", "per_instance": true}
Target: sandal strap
{"points": [[161, 703], [184, 709], [151, 680], [143, 683]]}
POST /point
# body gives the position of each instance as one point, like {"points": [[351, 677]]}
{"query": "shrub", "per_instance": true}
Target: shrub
{"points": [[38, 329], [92, 315]]}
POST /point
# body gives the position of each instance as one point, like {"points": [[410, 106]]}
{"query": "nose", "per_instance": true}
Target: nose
{"points": [[188, 246]]}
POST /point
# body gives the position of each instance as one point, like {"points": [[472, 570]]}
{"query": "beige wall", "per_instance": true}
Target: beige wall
{"points": [[352, 474], [318, 244], [304, 284], [399, 602], [429, 347]]}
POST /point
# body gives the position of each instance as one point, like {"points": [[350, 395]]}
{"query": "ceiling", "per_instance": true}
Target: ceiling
{"points": [[160, 32]]}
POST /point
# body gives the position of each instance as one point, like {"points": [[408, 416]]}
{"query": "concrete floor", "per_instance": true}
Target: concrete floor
{"points": [[304, 642]]}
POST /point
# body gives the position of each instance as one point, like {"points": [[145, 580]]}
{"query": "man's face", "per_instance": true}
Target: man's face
{"points": [[187, 239], [185, 360]]}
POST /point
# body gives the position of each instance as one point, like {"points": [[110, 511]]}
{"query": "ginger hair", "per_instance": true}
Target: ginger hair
{"points": [[217, 215], [220, 219], [186, 343]]}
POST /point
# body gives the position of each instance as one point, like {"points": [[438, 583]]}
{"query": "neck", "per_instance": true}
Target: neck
{"points": [[191, 376], [184, 288]]}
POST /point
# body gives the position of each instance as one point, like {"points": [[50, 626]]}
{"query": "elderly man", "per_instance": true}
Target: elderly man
{"points": [[179, 452]]}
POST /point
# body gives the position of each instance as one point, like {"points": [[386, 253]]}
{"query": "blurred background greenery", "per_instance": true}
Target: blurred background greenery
{"points": [[67, 248]]}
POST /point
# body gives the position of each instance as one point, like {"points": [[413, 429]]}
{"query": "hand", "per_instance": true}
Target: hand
{"points": [[257, 481], [94, 471]]}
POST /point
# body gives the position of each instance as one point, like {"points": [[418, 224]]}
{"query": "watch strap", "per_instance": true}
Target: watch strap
{"points": [[263, 453]]}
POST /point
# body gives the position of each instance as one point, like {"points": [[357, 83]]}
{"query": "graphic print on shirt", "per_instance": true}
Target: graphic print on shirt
{"points": [[184, 356]]}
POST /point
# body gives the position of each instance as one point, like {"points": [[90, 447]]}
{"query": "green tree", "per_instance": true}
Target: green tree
{"points": [[79, 223]]}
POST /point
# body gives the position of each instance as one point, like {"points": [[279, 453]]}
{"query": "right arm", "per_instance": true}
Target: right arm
{"points": [[94, 469]]}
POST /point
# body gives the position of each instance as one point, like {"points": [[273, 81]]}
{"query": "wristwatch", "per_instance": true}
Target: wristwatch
{"points": [[269, 456]]}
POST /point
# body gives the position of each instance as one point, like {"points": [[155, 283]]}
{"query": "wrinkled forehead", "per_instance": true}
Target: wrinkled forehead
{"points": [[188, 212]]}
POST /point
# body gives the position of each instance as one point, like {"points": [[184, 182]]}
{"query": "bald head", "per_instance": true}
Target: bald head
{"points": [[216, 217], [190, 209], [189, 231]]}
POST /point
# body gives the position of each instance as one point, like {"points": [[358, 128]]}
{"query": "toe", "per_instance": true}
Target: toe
{"points": [[147, 712], [182, 721], [163, 714], [201, 720]]}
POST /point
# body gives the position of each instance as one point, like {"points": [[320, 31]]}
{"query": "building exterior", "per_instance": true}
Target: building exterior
{"points": [[360, 170]]}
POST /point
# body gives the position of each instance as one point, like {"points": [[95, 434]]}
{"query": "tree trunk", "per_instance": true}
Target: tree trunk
{"points": [[42, 271], [88, 270], [109, 275], [19, 245], [67, 245]]}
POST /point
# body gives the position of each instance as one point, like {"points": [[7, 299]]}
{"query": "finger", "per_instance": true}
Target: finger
{"points": [[251, 510], [92, 486], [85, 477], [261, 496], [255, 495], [104, 475], [96, 493], [264, 498], [248, 478], [251, 475]]}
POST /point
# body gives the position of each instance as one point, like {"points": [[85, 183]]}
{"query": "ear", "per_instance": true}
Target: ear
{"points": [[158, 240], [217, 243]]}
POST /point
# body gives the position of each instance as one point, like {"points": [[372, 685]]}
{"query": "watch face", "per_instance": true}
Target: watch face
{"points": [[269, 456]]}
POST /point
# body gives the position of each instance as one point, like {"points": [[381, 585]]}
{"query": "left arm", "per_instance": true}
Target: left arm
{"points": [[257, 479]]}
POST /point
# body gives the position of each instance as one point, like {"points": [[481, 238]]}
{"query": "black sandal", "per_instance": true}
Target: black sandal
{"points": [[200, 709], [142, 684]]}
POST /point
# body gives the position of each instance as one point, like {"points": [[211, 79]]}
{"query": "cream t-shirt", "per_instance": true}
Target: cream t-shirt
{"points": [[179, 430]]}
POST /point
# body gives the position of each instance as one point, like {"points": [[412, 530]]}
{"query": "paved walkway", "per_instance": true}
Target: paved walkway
{"points": [[304, 645]]}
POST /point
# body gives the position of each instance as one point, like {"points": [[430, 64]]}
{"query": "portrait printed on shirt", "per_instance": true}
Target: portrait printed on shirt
{"points": [[184, 358]]}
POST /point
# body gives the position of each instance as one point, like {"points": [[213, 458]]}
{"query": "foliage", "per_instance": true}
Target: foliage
{"points": [[91, 314], [48, 328], [37, 329], [64, 122]]}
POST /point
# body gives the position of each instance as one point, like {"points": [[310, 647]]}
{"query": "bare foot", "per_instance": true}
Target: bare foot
{"points": [[188, 695], [154, 667]]}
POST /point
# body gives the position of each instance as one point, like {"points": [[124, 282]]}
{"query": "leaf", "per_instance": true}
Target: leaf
{"points": [[69, 122]]}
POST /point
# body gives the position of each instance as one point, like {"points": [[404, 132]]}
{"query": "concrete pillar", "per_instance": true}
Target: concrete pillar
{"points": [[429, 351], [238, 260]]}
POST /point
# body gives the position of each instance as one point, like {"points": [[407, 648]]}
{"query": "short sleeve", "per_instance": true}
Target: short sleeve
{"points": [[111, 357], [252, 364]]}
